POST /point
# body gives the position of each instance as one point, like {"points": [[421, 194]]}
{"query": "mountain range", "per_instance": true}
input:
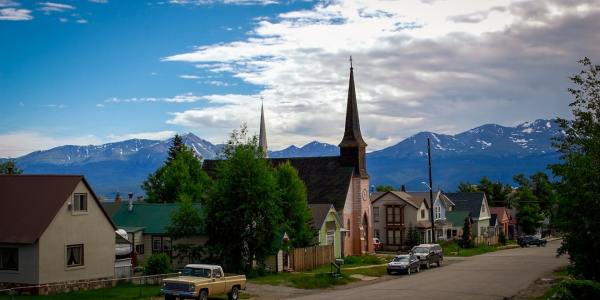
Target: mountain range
{"points": [[491, 150]]}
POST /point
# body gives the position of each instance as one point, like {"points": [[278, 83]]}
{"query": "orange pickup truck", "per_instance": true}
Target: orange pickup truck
{"points": [[199, 281]]}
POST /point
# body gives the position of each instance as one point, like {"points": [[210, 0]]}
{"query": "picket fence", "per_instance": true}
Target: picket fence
{"points": [[308, 258]]}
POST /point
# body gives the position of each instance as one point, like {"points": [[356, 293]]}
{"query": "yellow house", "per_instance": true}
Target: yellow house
{"points": [[53, 230], [328, 225]]}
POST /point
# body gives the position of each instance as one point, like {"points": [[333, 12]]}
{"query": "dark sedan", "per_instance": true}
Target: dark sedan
{"points": [[528, 240], [406, 263]]}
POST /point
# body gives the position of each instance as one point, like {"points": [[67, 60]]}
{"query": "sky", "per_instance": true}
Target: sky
{"points": [[97, 71]]}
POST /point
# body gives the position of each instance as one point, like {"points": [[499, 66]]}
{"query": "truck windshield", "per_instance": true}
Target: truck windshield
{"points": [[400, 259], [196, 272]]}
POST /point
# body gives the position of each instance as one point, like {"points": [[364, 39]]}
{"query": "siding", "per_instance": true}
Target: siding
{"points": [[28, 265]]}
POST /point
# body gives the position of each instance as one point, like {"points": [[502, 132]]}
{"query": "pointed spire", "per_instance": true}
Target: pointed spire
{"points": [[352, 135], [262, 137]]}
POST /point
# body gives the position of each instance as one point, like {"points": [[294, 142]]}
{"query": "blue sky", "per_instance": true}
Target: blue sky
{"points": [[82, 72]]}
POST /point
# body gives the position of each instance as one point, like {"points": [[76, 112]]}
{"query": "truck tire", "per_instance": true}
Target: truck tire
{"points": [[203, 295], [234, 294], [169, 297]]}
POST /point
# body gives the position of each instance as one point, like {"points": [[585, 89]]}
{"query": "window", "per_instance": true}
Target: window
{"points": [[394, 215], [377, 234], [438, 212], [139, 249], [376, 214], [422, 214], [9, 259], [394, 236], [330, 237], [80, 202], [75, 255], [217, 273], [161, 244]]}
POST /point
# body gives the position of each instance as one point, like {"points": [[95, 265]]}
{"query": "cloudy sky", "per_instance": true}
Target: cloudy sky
{"points": [[89, 72]]}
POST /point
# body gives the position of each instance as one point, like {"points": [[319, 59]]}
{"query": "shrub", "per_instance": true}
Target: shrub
{"points": [[502, 238], [362, 260], [157, 264], [577, 289]]}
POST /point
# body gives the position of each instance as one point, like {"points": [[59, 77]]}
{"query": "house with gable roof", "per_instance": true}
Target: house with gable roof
{"points": [[53, 230], [478, 209]]}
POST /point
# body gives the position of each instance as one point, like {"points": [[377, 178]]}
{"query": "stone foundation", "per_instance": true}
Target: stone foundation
{"points": [[60, 287]]}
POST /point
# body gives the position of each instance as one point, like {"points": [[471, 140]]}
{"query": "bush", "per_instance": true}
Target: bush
{"points": [[362, 260], [577, 289], [502, 238], [157, 264]]}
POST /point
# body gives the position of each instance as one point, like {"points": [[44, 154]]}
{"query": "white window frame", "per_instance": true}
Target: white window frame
{"points": [[77, 202], [82, 263]]}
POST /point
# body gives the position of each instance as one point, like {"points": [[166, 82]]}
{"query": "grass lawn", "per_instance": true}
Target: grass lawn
{"points": [[320, 278], [452, 249], [121, 291]]}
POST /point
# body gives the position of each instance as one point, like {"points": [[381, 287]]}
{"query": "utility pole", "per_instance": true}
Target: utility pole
{"points": [[430, 192]]}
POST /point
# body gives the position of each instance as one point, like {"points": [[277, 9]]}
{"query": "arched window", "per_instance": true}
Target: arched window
{"points": [[438, 212]]}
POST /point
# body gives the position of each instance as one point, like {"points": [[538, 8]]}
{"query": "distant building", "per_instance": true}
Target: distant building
{"points": [[53, 230], [476, 206], [341, 181]]}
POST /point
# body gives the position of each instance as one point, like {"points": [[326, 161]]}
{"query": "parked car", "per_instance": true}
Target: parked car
{"points": [[405, 263], [377, 244], [428, 254], [527, 240], [200, 281]]}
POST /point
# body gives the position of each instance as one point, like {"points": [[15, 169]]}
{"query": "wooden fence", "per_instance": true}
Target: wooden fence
{"points": [[303, 259], [485, 240]]}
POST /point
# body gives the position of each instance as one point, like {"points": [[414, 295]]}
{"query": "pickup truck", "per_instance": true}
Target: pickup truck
{"points": [[199, 281]]}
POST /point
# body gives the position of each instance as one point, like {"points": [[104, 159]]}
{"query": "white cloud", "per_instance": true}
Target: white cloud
{"points": [[152, 135], [63, 20], [8, 3], [49, 7], [82, 21], [99, 105], [189, 76], [187, 97], [419, 65], [59, 106], [99, 1], [15, 144], [14, 14], [232, 2], [181, 98]]}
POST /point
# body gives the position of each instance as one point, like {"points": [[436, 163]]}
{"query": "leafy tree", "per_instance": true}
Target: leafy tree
{"points": [[579, 172], [543, 192], [186, 222], [157, 263], [182, 175], [176, 147], [529, 214], [10, 167], [413, 237], [384, 188], [466, 238], [294, 207], [243, 214], [496, 192], [467, 187]]}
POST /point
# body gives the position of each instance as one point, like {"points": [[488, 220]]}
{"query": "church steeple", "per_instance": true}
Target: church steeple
{"points": [[262, 137], [353, 147]]}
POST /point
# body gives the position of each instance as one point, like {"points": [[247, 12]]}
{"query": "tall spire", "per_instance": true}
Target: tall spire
{"points": [[352, 135], [262, 137], [352, 146]]}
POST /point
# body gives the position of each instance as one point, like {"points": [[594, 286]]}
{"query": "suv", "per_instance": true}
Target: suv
{"points": [[527, 240], [428, 254]]}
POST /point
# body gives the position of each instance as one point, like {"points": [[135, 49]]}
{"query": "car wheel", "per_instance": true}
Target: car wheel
{"points": [[203, 295], [169, 297], [234, 294]]}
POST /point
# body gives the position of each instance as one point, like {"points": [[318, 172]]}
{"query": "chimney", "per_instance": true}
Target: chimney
{"points": [[118, 198], [403, 188], [130, 208]]}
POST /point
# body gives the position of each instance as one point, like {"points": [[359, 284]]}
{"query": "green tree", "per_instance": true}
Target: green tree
{"points": [[496, 192], [10, 167], [467, 187], [413, 237], [294, 207], [186, 222], [466, 238], [243, 216], [176, 146], [157, 263], [579, 174], [529, 214], [181, 175], [384, 188], [543, 192]]}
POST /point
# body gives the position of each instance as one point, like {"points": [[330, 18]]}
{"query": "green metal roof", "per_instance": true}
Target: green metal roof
{"points": [[153, 217], [457, 218]]}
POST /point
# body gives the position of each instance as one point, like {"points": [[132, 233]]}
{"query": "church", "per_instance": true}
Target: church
{"points": [[339, 181]]}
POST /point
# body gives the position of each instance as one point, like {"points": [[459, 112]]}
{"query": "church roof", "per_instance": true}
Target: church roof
{"points": [[326, 179], [262, 138], [352, 135]]}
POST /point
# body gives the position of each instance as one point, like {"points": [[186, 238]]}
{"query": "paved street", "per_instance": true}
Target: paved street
{"points": [[489, 276]]}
